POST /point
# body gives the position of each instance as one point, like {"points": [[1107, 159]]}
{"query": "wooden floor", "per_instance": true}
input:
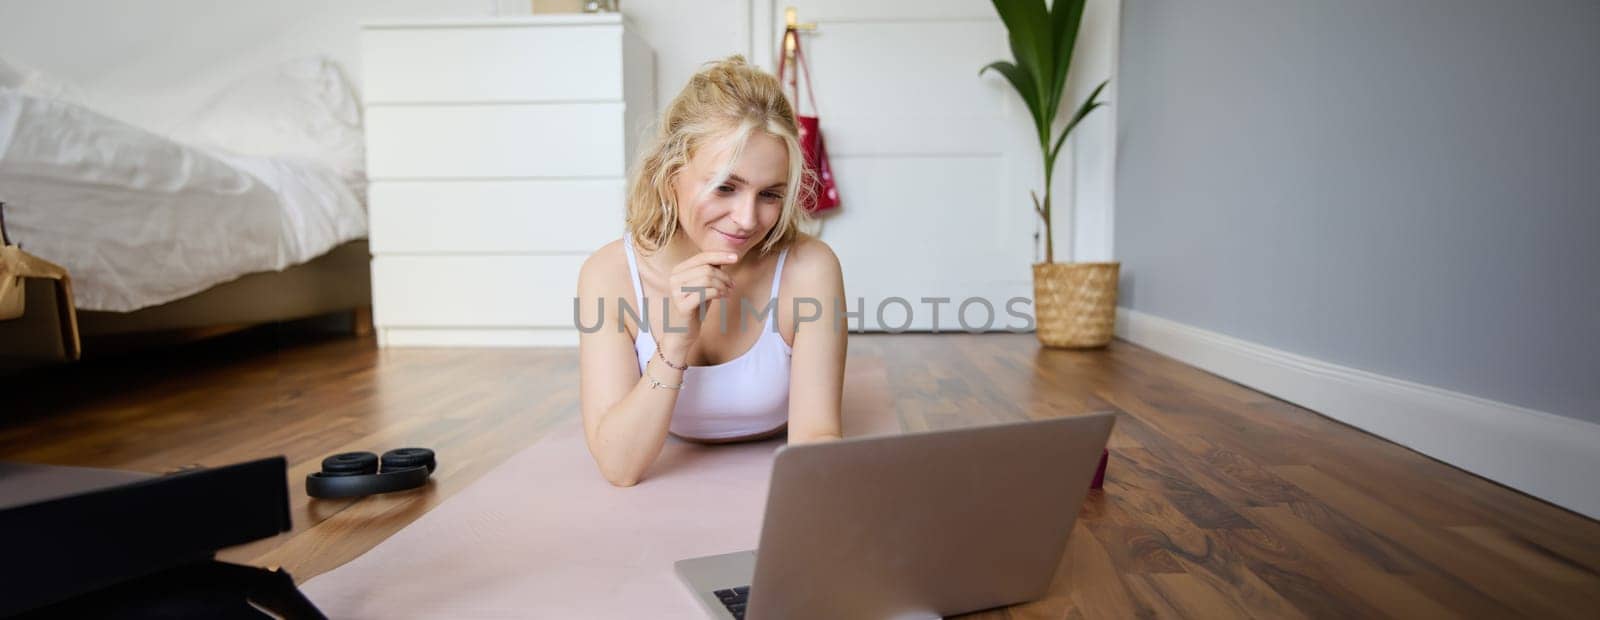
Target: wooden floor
{"points": [[1219, 501]]}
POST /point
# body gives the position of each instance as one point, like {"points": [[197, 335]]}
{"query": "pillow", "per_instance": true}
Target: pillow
{"points": [[301, 109]]}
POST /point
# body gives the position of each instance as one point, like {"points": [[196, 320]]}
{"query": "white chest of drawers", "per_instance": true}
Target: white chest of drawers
{"points": [[497, 150]]}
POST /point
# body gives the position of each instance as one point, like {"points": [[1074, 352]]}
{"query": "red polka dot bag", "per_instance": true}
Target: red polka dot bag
{"points": [[825, 194]]}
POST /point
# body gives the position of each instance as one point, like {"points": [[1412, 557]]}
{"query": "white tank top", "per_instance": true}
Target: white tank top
{"points": [[743, 396]]}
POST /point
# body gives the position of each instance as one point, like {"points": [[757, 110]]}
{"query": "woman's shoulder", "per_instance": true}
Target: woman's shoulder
{"points": [[811, 261], [605, 267]]}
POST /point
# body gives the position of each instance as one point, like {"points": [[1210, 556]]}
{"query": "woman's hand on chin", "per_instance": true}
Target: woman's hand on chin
{"points": [[691, 287]]}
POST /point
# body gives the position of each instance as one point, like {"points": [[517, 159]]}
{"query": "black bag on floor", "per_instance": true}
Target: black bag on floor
{"points": [[102, 543]]}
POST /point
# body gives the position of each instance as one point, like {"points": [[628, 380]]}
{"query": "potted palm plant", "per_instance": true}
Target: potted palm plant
{"points": [[1074, 302]]}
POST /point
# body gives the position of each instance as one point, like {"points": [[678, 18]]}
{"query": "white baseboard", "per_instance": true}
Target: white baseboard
{"points": [[476, 337], [1542, 454]]}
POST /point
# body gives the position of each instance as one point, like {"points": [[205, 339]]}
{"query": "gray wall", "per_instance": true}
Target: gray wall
{"points": [[1408, 187]]}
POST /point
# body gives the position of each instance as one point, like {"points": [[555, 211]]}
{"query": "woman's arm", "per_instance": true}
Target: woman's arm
{"points": [[816, 374], [624, 419], [625, 416]]}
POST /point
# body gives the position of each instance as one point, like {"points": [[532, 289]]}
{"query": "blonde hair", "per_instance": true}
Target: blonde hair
{"points": [[725, 97]]}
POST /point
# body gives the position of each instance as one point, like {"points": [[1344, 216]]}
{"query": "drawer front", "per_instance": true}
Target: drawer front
{"points": [[499, 64], [474, 291], [572, 216], [495, 141]]}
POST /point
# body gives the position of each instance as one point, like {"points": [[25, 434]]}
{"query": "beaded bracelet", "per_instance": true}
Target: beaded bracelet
{"points": [[668, 362]]}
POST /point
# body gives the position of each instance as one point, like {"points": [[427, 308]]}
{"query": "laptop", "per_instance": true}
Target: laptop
{"points": [[920, 525]]}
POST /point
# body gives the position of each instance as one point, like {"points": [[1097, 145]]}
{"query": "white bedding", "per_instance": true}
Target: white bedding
{"points": [[140, 220]]}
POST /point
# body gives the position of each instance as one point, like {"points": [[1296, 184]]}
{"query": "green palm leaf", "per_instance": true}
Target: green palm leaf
{"points": [[1026, 87], [1088, 106], [1064, 21], [1028, 26]]}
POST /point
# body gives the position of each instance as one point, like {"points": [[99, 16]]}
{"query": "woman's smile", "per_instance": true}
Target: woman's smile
{"points": [[735, 240]]}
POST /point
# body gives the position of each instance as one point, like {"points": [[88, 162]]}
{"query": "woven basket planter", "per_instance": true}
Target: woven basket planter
{"points": [[1075, 304]]}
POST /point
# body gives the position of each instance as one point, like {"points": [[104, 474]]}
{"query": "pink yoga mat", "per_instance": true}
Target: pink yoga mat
{"points": [[544, 536]]}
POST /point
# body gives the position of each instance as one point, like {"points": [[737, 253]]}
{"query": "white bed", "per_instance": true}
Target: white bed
{"points": [[140, 219]]}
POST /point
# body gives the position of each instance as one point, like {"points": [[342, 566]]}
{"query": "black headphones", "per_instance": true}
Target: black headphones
{"points": [[353, 474]]}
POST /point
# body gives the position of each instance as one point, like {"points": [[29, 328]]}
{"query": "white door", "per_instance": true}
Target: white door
{"points": [[933, 162]]}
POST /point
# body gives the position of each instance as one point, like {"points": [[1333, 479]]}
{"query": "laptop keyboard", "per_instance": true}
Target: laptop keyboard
{"points": [[734, 599]]}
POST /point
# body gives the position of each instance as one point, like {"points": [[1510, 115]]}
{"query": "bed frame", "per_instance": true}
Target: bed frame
{"points": [[338, 281]]}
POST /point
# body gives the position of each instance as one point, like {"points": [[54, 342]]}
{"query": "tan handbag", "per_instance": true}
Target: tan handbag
{"points": [[15, 267]]}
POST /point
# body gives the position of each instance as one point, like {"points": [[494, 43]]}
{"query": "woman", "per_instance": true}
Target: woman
{"points": [[683, 347]]}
